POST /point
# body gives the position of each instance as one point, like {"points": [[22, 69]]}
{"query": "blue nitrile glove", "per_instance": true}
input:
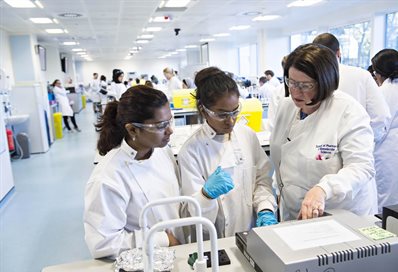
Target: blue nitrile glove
{"points": [[266, 218], [219, 183]]}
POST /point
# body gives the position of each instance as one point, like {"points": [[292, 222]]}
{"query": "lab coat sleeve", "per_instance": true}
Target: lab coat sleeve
{"points": [[192, 183], [263, 197], [104, 220], [355, 145], [377, 109]]}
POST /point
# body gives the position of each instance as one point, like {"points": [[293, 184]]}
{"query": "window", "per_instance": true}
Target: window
{"points": [[248, 60], [354, 43], [392, 30], [302, 38]]}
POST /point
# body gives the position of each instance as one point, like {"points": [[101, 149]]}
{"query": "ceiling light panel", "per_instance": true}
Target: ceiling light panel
{"points": [[54, 31], [142, 41], [266, 18], [303, 3], [160, 19], [152, 29], [20, 3], [146, 36], [39, 4], [221, 35], [239, 27], [70, 43], [176, 3], [207, 40], [41, 20]]}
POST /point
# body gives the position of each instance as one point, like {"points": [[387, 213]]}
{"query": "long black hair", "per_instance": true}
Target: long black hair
{"points": [[385, 63], [137, 105]]}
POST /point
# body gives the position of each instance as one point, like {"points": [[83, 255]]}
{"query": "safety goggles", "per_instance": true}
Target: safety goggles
{"points": [[157, 127], [222, 115], [301, 86]]}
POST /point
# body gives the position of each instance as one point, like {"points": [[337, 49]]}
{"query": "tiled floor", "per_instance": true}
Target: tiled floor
{"points": [[41, 222]]}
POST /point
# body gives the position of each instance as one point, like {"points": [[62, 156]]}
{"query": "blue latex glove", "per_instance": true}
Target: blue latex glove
{"points": [[218, 183], [266, 218]]}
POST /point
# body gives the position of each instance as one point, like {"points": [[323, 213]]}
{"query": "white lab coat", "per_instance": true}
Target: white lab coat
{"points": [[116, 90], [359, 84], [274, 82], [277, 94], [95, 88], [116, 192], [63, 101], [386, 152], [244, 159], [266, 91], [339, 131], [172, 84]]}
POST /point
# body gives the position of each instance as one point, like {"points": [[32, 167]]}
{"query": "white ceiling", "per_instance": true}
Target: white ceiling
{"points": [[109, 28]]}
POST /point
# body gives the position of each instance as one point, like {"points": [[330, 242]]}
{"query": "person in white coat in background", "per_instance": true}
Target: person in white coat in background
{"points": [[117, 86], [272, 79], [95, 93], [64, 105], [359, 84], [138, 167], [322, 143], [173, 83], [222, 164], [385, 66]]}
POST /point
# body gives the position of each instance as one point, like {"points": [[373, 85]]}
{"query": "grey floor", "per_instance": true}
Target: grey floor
{"points": [[41, 220]]}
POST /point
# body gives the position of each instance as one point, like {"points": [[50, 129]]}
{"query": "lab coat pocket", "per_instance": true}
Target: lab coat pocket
{"points": [[316, 169]]}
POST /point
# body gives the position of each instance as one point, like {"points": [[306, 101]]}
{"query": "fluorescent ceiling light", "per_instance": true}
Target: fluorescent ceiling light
{"points": [[176, 3], [160, 19], [41, 20], [20, 3], [266, 18], [222, 35], [54, 30], [207, 40], [69, 43], [191, 46], [142, 41], [127, 57], [66, 31], [152, 29], [239, 27], [77, 49], [181, 50], [55, 21], [146, 36], [162, 3], [173, 53], [81, 53], [303, 3], [39, 4]]}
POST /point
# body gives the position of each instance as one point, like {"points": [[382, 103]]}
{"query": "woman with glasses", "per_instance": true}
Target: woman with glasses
{"points": [[385, 65], [222, 164], [138, 167], [322, 143]]}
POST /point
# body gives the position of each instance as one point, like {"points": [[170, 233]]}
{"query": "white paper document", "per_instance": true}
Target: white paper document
{"points": [[315, 234]]}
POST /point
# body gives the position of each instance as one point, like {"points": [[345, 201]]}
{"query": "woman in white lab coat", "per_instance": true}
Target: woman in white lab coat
{"points": [[117, 86], [385, 65], [138, 167], [322, 143], [173, 83], [64, 105], [222, 164]]}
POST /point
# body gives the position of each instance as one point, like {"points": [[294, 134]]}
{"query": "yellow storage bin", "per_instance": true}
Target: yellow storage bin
{"points": [[58, 125], [183, 98], [251, 113], [84, 101]]}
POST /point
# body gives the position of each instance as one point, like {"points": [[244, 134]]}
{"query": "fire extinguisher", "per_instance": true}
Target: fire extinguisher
{"points": [[10, 139]]}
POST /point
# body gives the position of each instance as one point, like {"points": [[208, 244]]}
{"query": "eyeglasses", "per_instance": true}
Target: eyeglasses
{"points": [[302, 86], [157, 127], [221, 116]]}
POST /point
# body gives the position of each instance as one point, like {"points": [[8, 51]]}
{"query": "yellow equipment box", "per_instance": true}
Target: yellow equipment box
{"points": [[251, 113], [84, 101], [58, 125], [183, 98]]}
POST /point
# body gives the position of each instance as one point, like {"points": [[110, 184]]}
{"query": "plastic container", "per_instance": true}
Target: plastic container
{"points": [[58, 125], [251, 113], [184, 98], [84, 101]]}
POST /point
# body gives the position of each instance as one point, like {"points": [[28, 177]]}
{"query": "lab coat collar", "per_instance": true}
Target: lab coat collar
{"points": [[211, 133], [128, 149]]}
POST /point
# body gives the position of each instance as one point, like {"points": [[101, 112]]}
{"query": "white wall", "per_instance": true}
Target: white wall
{"points": [[140, 66], [5, 55], [53, 64], [224, 57]]}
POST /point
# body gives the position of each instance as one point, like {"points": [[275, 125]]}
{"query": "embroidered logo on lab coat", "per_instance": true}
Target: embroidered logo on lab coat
{"points": [[325, 151]]}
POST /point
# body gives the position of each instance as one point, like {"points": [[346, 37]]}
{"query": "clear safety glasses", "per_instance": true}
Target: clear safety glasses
{"points": [[157, 127], [301, 86], [221, 116]]}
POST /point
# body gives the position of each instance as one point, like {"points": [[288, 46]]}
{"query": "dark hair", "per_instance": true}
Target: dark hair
{"points": [[269, 72], [95, 74], [385, 63], [116, 74], [328, 40], [55, 81], [137, 80], [318, 62], [154, 79], [148, 83], [137, 104], [263, 79], [211, 84], [103, 78]]}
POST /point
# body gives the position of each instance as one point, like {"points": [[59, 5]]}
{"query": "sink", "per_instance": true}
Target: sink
{"points": [[16, 119]]}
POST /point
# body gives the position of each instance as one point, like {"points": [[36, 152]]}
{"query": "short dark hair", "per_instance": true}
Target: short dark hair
{"points": [[95, 74], [102, 77], [211, 84], [319, 63], [385, 63], [328, 40], [263, 79], [137, 104], [269, 73]]}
